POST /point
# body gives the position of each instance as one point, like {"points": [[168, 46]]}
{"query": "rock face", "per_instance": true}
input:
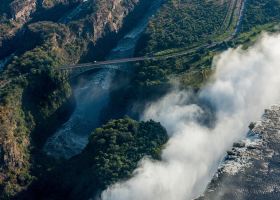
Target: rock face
{"points": [[21, 10], [13, 15], [91, 20], [252, 171], [111, 17]]}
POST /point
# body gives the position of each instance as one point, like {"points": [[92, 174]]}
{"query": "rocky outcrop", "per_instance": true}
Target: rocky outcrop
{"points": [[251, 171], [21, 10], [111, 16], [15, 15], [89, 20]]}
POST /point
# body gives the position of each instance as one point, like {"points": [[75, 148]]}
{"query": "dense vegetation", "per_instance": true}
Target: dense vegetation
{"points": [[34, 94], [153, 78], [117, 147], [182, 23], [260, 12], [112, 154]]}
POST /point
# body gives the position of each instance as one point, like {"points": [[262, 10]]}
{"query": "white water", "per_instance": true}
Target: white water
{"points": [[244, 84], [91, 97]]}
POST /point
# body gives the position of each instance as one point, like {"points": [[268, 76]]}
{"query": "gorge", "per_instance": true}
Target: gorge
{"points": [[182, 125], [92, 95]]}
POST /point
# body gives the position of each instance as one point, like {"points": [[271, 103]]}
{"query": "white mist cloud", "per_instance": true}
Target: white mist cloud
{"points": [[245, 83]]}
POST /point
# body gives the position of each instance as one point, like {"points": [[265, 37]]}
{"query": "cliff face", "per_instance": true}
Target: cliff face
{"points": [[21, 10], [36, 98], [14, 15], [110, 16], [89, 20], [251, 169]]}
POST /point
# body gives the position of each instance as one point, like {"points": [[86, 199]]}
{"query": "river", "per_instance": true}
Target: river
{"points": [[4, 61], [92, 95]]}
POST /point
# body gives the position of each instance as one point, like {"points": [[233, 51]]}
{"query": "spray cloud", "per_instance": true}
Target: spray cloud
{"points": [[244, 84]]}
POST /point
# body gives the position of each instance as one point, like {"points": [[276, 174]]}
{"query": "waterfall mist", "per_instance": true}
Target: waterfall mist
{"points": [[244, 84]]}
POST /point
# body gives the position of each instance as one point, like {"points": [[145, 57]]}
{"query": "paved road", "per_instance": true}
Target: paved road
{"points": [[240, 18], [231, 8]]}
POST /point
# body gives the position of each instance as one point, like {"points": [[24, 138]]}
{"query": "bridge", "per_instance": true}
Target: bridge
{"points": [[77, 69], [234, 7]]}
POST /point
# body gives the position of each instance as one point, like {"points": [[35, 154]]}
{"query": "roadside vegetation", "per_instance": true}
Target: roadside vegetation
{"points": [[260, 12], [184, 23], [179, 31]]}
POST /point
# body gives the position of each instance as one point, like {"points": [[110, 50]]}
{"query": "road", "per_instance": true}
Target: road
{"points": [[230, 10], [240, 17]]}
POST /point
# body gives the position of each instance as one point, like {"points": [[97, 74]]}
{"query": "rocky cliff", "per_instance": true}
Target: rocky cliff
{"points": [[90, 20], [15, 14], [251, 168], [21, 10]]}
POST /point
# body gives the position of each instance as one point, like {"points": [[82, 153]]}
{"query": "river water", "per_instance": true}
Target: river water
{"points": [[92, 95], [4, 61]]}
